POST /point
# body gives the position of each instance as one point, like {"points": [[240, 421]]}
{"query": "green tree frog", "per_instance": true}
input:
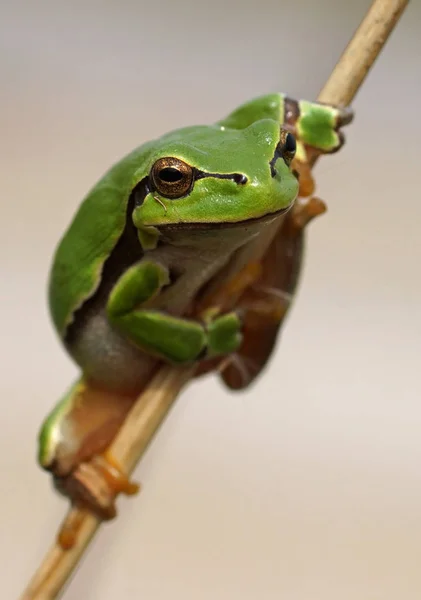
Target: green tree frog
{"points": [[148, 241]]}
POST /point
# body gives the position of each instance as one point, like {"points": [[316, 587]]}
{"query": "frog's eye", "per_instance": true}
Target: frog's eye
{"points": [[288, 146], [171, 177]]}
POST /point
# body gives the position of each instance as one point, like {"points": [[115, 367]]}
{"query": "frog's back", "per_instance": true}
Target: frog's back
{"points": [[90, 239]]}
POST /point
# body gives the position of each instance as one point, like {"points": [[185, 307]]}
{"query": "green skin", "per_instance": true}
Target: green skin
{"points": [[133, 306]]}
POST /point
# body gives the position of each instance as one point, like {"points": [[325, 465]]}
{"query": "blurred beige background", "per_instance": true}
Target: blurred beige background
{"points": [[308, 486]]}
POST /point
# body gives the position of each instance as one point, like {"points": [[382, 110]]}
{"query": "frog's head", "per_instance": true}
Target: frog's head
{"points": [[206, 176]]}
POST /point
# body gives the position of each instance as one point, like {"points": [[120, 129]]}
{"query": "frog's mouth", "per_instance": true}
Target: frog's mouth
{"points": [[164, 227]]}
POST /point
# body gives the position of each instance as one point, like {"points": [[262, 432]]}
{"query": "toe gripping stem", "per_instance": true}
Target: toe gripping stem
{"points": [[94, 486]]}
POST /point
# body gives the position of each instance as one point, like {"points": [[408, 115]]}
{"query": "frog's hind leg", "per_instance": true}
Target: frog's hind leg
{"points": [[266, 303], [82, 425]]}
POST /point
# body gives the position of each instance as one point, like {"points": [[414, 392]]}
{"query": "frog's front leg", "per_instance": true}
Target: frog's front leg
{"points": [[174, 339]]}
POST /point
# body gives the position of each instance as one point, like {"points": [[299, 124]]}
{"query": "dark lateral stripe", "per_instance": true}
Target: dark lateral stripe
{"points": [[140, 191], [277, 154], [238, 178]]}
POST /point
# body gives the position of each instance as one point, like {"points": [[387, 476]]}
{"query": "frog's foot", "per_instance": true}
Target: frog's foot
{"points": [[317, 125], [82, 425], [94, 485]]}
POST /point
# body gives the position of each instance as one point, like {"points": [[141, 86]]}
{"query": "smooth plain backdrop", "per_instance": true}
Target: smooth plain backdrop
{"points": [[306, 487]]}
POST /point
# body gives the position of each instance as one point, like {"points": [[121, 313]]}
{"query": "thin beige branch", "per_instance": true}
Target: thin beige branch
{"points": [[362, 51], [153, 405]]}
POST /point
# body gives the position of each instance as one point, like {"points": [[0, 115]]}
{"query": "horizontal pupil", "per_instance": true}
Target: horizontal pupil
{"points": [[170, 175]]}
